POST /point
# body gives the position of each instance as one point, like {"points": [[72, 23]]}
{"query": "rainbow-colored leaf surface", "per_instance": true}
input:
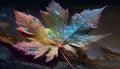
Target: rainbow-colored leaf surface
{"points": [[58, 34]]}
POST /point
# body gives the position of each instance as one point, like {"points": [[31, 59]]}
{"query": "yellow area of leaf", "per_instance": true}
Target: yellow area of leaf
{"points": [[44, 41]]}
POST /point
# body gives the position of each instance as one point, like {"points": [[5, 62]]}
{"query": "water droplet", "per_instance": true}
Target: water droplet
{"points": [[32, 21]]}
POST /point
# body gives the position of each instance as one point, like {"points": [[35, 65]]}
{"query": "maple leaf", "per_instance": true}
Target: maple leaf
{"points": [[58, 35]]}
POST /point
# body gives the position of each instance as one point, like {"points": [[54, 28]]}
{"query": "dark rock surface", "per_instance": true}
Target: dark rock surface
{"points": [[5, 58]]}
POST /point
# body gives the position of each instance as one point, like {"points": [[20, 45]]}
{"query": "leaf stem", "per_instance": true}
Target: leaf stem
{"points": [[67, 59]]}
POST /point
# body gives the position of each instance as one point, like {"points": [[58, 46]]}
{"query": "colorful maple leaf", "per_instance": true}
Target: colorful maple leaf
{"points": [[58, 34]]}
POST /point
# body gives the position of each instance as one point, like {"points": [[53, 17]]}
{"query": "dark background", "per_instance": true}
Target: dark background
{"points": [[43, 3], [63, 2]]}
